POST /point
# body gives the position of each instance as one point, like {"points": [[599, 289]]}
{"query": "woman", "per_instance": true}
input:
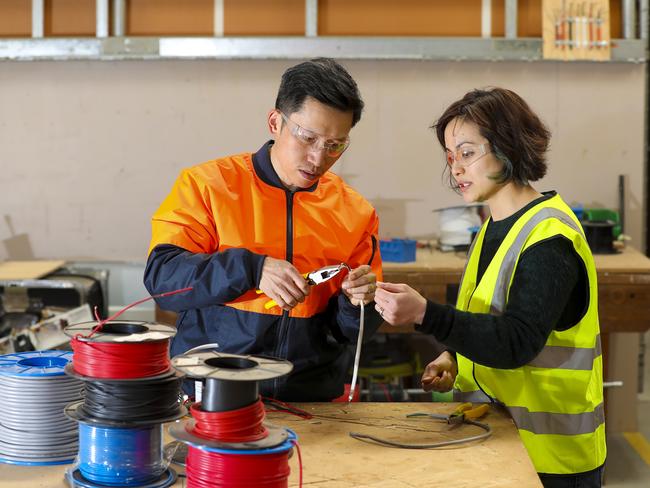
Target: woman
{"points": [[524, 332]]}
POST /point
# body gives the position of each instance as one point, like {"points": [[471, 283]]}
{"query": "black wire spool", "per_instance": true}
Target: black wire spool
{"points": [[231, 380], [231, 383], [129, 402], [599, 235]]}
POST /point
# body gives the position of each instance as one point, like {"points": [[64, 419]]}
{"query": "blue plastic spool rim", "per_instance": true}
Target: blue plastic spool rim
{"points": [[34, 364], [285, 446], [168, 478], [36, 463]]}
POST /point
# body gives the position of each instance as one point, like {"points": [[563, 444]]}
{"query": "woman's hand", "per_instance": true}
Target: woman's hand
{"points": [[399, 304], [440, 374]]}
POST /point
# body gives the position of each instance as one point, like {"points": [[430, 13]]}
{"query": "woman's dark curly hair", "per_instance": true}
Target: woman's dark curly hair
{"points": [[518, 138]]}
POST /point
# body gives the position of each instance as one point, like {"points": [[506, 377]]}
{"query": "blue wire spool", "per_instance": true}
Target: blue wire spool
{"points": [[35, 363], [120, 457], [167, 478], [76, 480], [285, 446]]}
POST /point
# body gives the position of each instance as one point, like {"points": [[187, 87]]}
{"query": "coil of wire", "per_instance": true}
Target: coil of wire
{"points": [[33, 393]]}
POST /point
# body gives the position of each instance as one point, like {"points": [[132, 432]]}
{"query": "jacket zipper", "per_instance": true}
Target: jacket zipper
{"points": [[284, 322]]}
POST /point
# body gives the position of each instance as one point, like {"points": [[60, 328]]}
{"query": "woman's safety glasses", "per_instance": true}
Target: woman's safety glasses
{"points": [[467, 154]]}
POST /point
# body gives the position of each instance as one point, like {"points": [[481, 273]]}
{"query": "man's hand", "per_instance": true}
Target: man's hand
{"points": [[399, 304], [282, 282], [360, 285], [440, 374]]}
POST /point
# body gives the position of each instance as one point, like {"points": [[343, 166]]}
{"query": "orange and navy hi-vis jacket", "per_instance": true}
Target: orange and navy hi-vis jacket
{"points": [[213, 232]]}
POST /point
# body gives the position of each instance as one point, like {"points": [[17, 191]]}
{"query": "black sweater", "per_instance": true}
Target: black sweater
{"points": [[549, 292]]}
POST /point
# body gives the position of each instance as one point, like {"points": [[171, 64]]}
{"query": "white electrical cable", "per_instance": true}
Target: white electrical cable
{"points": [[357, 354], [33, 427]]}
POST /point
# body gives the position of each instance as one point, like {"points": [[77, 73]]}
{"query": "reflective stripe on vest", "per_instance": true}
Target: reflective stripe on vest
{"points": [[558, 423], [476, 396], [562, 357], [512, 255]]}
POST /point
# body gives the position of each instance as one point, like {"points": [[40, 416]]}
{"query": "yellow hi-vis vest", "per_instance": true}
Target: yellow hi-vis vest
{"points": [[556, 400]]}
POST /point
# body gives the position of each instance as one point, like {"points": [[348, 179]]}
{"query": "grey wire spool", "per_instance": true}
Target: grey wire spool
{"points": [[33, 393]]}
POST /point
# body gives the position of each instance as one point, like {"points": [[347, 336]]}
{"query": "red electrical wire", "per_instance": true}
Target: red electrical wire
{"points": [[273, 405], [120, 360], [241, 425], [295, 443], [101, 323], [211, 470]]}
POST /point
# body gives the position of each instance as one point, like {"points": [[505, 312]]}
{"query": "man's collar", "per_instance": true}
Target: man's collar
{"points": [[265, 170]]}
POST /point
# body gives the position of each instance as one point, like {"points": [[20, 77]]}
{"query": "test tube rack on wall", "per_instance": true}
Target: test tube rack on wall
{"points": [[576, 30]]}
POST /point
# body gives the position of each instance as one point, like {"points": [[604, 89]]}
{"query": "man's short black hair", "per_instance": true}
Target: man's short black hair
{"points": [[324, 80]]}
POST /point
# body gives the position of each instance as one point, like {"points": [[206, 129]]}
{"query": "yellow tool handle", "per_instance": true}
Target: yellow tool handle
{"points": [[272, 303], [473, 413], [462, 408], [268, 305]]}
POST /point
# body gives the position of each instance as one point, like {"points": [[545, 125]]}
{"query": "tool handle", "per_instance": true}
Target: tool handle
{"points": [[468, 411], [268, 305], [478, 412]]}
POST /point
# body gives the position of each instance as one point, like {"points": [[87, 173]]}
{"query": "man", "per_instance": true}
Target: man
{"points": [[260, 221]]}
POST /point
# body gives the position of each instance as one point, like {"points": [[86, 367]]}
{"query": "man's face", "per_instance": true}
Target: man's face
{"points": [[307, 142]]}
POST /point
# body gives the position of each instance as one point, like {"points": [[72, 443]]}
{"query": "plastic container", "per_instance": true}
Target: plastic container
{"points": [[579, 211], [603, 215], [397, 250]]}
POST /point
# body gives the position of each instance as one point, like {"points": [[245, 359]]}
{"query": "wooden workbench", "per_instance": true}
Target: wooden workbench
{"points": [[333, 459]]}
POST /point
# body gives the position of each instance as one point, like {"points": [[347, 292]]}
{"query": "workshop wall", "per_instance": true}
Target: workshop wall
{"points": [[88, 149], [285, 17]]}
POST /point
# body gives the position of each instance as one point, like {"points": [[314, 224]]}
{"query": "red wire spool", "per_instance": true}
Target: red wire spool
{"points": [[207, 469], [120, 360], [241, 425], [121, 350], [228, 444]]}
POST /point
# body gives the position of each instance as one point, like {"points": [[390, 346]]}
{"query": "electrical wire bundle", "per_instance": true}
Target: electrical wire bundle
{"points": [[118, 360], [103, 448], [229, 445], [138, 401], [33, 392], [130, 391]]}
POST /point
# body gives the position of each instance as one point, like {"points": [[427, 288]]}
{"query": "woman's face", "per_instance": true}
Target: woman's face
{"points": [[471, 161]]}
